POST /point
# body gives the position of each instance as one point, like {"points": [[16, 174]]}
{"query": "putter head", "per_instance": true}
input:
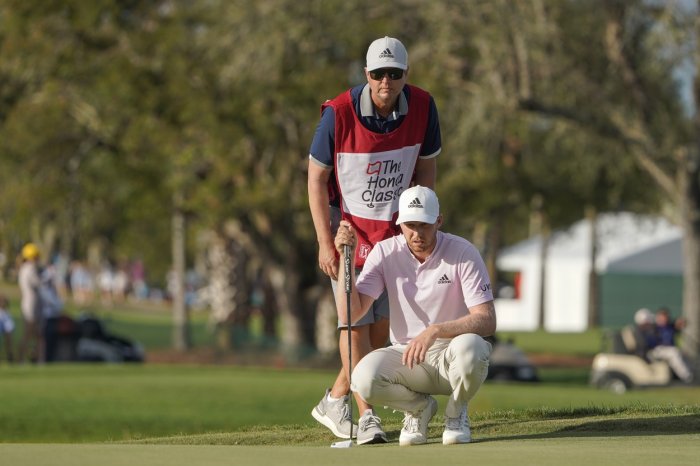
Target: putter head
{"points": [[343, 444]]}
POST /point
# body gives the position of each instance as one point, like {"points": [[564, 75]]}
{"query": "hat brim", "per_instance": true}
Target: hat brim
{"points": [[386, 64], [422, 218]]}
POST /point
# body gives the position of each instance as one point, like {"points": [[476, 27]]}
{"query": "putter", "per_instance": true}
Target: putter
{"points": [[348, 289]]}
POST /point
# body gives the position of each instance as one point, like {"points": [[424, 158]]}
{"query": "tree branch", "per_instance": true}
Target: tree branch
{"points": [[616, 129]]}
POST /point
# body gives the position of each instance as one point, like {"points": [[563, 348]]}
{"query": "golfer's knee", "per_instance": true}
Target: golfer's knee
{"points": [[365, 381], [469, 351]]}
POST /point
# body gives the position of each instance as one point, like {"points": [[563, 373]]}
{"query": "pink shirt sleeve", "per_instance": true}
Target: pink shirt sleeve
{"points": [[476, 284], [370, 282]]}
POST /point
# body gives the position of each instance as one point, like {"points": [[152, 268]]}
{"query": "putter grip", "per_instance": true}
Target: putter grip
{"points": [[347, 262]]}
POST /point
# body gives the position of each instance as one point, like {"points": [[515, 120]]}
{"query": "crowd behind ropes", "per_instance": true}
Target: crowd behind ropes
{"points": [[46, 285]]}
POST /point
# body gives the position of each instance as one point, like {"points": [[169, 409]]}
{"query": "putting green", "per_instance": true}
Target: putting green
{"points": [[617, 448]]}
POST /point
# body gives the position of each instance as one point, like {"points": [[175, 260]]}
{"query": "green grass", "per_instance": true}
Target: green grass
{"points": [[80, 414], [576, 344], [185, 415], [94, 403]]}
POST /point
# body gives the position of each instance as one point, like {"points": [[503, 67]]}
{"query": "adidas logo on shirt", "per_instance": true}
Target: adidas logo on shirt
{"points": [[415, 204], [386, 54], [444, 280]]}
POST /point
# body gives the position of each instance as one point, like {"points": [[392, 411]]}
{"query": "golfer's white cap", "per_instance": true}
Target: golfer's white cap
{"points": [[387, 52], [418, 204]]}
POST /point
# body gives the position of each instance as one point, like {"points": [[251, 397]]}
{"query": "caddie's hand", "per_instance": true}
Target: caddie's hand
{"points": [[345, 236], [418, 347], [327, 260]]}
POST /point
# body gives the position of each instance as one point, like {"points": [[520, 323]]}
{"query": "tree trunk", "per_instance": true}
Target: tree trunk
{"points": [[593, 309], [181, 327], [690, 220], [228, 288], [286, 286]]}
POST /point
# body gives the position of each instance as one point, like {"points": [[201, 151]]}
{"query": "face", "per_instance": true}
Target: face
{"points": [[385, 90], [421, 237], [662, 319]]}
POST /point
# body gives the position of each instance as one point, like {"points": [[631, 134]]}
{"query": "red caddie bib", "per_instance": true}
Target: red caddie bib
{"points": [[372, 169]]}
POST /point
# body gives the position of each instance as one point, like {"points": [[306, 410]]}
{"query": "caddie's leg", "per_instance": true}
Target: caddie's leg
{"points": [[360, 347]]}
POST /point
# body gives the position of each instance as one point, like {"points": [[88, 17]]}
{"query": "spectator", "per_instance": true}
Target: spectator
{"points": [[105, 283], [7, 326], [51, 303], [29, 284], [651, 348], [666, 328], [81, 283], [120, 284]]}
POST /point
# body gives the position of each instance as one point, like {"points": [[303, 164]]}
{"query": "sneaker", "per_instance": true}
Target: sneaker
{"points": [[335, 415], [370, 429], [415, 425], [457, 429]]}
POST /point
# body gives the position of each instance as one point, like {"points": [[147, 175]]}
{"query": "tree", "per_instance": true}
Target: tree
{"points": [[632, 98]]}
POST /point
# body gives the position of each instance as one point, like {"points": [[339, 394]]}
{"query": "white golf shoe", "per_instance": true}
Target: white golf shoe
{"points": [[415, 425], [457, 429]]}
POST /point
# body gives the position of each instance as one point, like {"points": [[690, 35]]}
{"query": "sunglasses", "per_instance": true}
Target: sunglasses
{"points": [[393, 73]]}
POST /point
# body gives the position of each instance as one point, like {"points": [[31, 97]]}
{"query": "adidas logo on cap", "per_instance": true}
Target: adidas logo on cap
{"points": [[386, 53], [418, 204]]}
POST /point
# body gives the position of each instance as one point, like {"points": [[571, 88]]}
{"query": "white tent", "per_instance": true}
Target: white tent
{"points": [[626, 243]]}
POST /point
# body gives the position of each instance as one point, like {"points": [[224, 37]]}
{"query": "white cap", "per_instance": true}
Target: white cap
{"points": [[643, 316], [387, 52], [418, 204]]}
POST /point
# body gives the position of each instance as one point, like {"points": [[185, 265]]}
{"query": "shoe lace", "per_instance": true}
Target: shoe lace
{"points": [[457, 423], [411, 423], [370, 420], [343, 411]]}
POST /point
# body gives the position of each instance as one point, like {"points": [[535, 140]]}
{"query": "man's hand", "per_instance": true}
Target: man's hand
{"points": [[418, 347], [345, 236], [327, 260]]}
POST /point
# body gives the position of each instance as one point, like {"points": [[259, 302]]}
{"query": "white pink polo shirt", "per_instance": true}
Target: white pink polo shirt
{"points": [[452, 279]]}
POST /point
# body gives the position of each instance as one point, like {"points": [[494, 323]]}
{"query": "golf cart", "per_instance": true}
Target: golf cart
{"points": [[618, 368], [85, 339], [509, 363]]}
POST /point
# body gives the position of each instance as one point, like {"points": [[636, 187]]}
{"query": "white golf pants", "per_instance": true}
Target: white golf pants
{"points": [[456, 367]]}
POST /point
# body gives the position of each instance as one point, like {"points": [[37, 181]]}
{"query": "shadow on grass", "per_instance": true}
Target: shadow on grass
{"points": [[671, 425]]}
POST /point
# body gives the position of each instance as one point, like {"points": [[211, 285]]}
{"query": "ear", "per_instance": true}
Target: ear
{"points": [[438, 222]]}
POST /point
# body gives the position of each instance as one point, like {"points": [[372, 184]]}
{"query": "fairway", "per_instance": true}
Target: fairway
{"points": [[676, 450]]}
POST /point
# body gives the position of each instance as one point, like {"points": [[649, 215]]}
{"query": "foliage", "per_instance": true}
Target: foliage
{"points": [[115, 113]]}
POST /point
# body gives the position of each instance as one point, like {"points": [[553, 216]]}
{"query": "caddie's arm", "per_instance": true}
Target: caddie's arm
{"points": [[359, 303], [481, 320], [318, 204], [426, 170]]}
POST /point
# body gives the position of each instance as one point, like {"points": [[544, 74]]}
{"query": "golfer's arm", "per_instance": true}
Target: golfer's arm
{"points": [[318, 202], [481, 321], [359, 303]]}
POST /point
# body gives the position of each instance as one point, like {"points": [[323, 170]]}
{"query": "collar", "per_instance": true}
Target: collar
{"points": [[367, 107]]}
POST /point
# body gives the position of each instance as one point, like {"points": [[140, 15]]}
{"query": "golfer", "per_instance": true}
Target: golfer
{"points": [[441, 311], [371, 143]]}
